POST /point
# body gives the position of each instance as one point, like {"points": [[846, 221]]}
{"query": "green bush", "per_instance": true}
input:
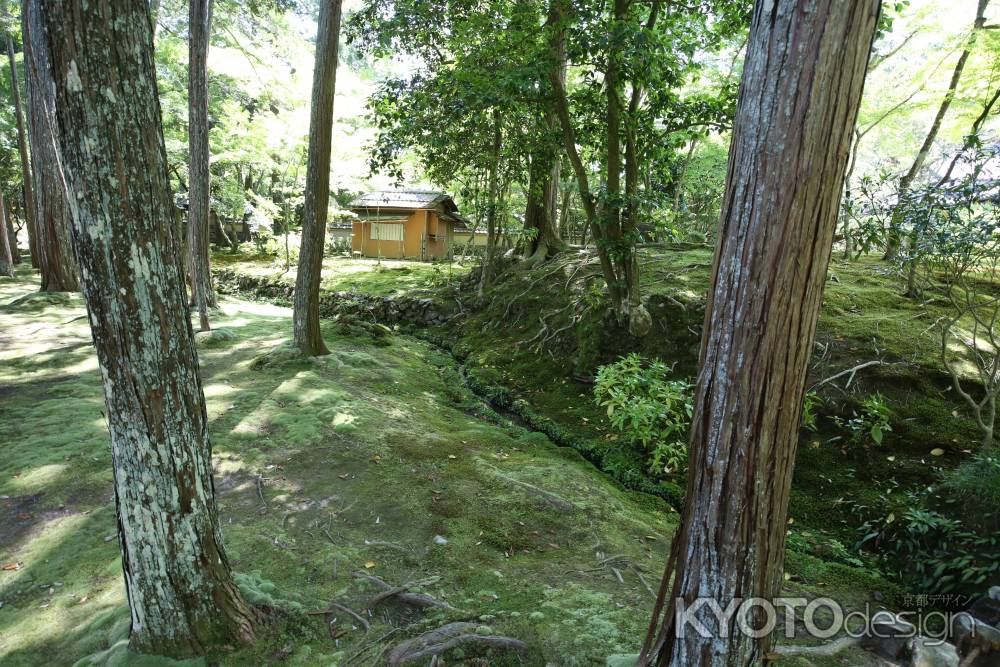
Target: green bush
{"points": [[810, 414], [870, 423], [648, 409], [936, 553], [972, 490]]}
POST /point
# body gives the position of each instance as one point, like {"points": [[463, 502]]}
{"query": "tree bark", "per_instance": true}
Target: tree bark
{"points": [[202, 290], [540, 212], [308, 337], [30, 218], [486, 274], [15, 253], [543, 180], [106, 118], [894, 239], [56, 263], [802, 84], [6, 255]]}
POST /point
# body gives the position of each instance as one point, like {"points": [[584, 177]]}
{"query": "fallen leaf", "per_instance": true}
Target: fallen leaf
{"points": [[10, 567], [369, 565], [937, 451], [344, 476]]}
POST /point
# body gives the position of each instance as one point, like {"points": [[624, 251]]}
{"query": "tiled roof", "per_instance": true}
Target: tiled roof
{"points": [[405, 199]]}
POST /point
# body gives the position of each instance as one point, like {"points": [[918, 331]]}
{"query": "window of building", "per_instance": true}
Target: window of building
{"points": [[382, 231]]}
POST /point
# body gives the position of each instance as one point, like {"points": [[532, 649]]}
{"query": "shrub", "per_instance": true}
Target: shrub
{"points": [[972, 490], [870, 422], [810, 415], [648, 409], [936, 553]]}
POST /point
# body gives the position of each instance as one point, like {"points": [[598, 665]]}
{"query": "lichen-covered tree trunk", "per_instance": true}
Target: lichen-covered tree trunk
{"points": [[106, 119], [202, 290], [30, 219], [55, 256], [802, 83], [6, 254], [305, 317]]}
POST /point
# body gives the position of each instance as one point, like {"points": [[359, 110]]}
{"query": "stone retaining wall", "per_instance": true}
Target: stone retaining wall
{"points": [[389, 310]]}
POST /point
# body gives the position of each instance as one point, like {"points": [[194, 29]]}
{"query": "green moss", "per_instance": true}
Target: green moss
{"points": [[263, 593], [119, 655]]}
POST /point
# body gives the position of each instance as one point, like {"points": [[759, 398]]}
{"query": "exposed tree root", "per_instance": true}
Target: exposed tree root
{"points": [[401, 593], [552, 499], [335, 607], [446, 638], [823, 651]]}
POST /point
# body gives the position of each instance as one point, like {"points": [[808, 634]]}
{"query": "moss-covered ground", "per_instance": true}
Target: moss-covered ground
{"points": [[372, 459], [377, 458]]}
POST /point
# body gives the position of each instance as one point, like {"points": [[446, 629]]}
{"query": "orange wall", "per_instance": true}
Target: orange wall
{"points": [[418, 226]]}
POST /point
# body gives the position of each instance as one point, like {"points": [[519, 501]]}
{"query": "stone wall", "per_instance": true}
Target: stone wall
{"points": [[418, 310]]}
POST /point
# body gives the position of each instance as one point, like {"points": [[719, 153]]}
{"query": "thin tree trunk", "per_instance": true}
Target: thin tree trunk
{"points": [[15, 253], [559, 12], [154, 14], [799, 97], [543, 186], [895, 239], [202, 290], [308, 337], [486, 274], [564, 231], [7, 257], [620, 226], [106, 118], [30, 218], [615, 249], [55, 256], [682, 174]]}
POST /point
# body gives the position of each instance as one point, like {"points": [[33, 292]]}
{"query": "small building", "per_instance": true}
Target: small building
{"points": [[405, 224]]}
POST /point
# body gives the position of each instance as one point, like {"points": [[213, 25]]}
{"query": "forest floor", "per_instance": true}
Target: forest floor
{"points": [[375, 459]]}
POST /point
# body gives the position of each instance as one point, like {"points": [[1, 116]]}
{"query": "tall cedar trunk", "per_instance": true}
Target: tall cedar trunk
{"points": [[30, 218], [202, 291], [111, 150], [492, 231], [6, 255], [55, 256], [894, 239], [317, 195], [802, 84]]}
